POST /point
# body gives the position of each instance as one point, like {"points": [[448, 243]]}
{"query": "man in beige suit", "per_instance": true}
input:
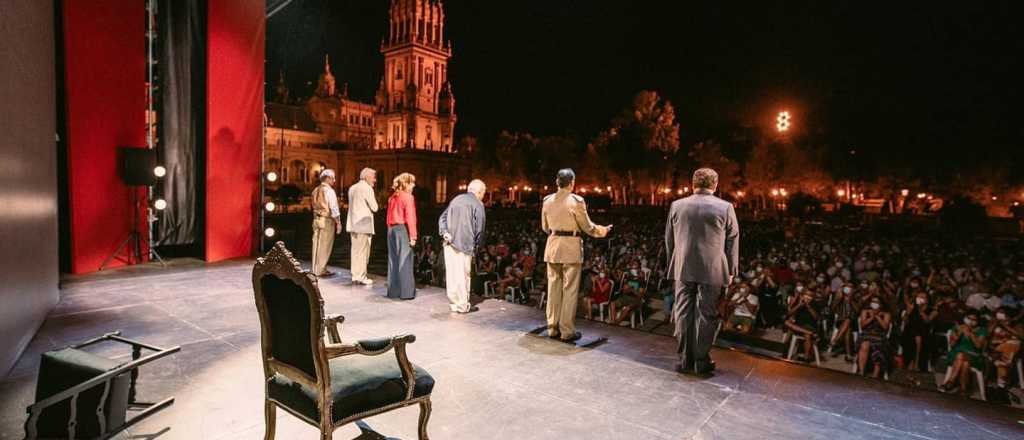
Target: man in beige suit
{"points": [[564, 218], [326, 223], [362, 203]]}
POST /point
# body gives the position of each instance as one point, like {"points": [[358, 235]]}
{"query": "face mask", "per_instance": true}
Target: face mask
{"points": [[793, 266], [760, 269], [921, 301], [863, 286], [916, 273], [821, 279], [633, 272], [799, 288], [847, 290], [743, 291], [839, 264], [914, 285], [969, 322], [875, 306], [1001, 316], [601, 274]]}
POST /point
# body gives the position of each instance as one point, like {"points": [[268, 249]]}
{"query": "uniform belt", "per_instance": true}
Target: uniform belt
{"points": [[565, 233]]}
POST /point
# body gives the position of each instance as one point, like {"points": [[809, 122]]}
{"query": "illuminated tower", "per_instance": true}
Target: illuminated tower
{"points": [[415, 103]]}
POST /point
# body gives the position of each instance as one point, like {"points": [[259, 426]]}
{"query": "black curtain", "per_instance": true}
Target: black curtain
{"points": [[181, 109]]}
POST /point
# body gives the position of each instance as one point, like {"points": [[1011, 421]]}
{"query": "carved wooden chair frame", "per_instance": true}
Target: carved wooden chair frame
{"points": [[280, 263]]}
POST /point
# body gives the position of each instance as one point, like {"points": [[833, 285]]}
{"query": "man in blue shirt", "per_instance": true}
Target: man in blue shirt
{"points": [[461, 226]]}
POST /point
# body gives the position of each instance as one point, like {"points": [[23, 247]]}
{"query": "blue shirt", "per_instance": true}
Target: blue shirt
{"points": [[464, 220]]}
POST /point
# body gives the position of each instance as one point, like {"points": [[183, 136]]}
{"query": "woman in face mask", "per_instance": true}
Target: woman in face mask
{"points": [[917, 331], [600, 292], [874, 329], [802, 318], [1004, 346], [844, 310], [966, 340]]}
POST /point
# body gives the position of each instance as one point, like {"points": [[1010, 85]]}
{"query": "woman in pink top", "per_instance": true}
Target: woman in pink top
{"points": [[401, 220]]}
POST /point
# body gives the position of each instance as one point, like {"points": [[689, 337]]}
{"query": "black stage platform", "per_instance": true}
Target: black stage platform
{"points": [[493, 381]]}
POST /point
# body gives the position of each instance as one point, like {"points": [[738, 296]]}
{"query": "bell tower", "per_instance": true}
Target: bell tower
{"points": [[415, 99]]}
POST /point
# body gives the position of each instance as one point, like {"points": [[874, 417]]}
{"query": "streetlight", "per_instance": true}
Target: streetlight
{"points": [[841, 193], [782, 121], [783, 192], [775, 192], [905, 192], [921, 195]]}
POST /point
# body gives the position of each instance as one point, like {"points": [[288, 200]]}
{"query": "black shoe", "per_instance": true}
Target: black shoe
{"points": [[328, 274], [575, 337], [553, 334], [471, 310], [684, 369], [704, 367]]}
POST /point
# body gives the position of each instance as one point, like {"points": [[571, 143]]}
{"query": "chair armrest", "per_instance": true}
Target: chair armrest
{"points": [[369, 347], [333, 322]]}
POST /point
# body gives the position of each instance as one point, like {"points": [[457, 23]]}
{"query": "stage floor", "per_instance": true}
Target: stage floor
{"points": [[492, 381]]}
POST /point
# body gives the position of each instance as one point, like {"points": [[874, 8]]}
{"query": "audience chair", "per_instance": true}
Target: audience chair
{"points": [[326, 384], [793, 339]]}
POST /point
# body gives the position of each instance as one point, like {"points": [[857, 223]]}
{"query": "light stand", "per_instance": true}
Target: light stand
{"points": [[131, 246]]}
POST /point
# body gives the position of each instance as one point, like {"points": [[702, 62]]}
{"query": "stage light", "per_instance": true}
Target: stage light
{"points": [[905, 192], [271, 177], [159, 171], [921, 195], [841, 193], [269, 232], [270, 206], [160, 204]]}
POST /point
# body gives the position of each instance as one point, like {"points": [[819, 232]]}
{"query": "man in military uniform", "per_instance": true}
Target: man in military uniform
{"points": [[564, 218]]}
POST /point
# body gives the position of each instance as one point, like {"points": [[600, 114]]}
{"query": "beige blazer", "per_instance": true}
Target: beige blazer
{"points": [[361, 205]]}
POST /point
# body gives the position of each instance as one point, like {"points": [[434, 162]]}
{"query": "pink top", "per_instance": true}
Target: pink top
{"points": [[402, 211]]}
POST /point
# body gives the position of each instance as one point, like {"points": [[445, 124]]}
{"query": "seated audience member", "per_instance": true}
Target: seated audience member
{"points": [[1004, 345], [950, 311], [802, 318], [630, 297], [744, 310], [917, 332], [485, 271], [966, 341], [600, 292], [510, 279], [873, 338], [844, 310]]}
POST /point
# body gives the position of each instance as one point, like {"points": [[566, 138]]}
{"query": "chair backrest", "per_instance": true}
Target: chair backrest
{"points": [[291, 318]]}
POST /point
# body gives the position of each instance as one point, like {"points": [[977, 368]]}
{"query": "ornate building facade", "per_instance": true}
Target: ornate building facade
{"points": [[409, 127]]}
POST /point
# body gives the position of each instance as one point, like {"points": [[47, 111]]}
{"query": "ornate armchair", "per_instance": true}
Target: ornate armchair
{"points": [[326, 384]]}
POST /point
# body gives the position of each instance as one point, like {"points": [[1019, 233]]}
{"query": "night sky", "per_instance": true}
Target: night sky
{"points": [[923, 85]]}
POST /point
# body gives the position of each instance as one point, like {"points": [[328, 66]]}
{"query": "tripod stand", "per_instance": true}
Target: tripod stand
{"points": [[131, 246]]}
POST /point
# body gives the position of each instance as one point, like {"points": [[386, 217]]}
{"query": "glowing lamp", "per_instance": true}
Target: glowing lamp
{"points": [[775, 192], [160, 204], [680, 192], [905, 192], [270, 206], [841, 193], [995, 198], [159, 171], [921, 195], [271, 177], [269, 232], [783, 192]]}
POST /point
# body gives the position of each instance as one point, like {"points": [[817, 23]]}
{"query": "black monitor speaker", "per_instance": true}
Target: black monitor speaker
{"points": [[137, 166]]}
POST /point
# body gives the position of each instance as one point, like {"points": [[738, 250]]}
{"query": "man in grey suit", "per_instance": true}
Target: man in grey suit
{"points": [[702, 243]]}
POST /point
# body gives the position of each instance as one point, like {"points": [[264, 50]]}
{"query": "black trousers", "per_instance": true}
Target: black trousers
{"points": [[696, 321]]}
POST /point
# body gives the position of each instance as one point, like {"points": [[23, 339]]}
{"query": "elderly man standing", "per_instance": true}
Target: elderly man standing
{"points": [[326, 223], [461, 226], [362, 203]]}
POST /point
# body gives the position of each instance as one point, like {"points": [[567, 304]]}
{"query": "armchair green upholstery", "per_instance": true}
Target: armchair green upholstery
{"points": [[326, 384]]}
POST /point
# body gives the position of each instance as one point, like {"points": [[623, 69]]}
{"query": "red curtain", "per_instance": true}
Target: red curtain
{"points": [[105, 75], [235, 54]]}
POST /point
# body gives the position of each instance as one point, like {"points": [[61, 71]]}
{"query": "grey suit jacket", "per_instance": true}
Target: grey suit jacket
{"points": [[702, 239]]}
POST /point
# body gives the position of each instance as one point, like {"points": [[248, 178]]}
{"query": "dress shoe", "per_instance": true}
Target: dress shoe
{"points": [[327, 274], [704, 367], [471, 310], [684, 369], [365, 282], [575, 337], [553, 334]]}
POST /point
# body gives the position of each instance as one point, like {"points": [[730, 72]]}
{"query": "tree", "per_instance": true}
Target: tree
{"points": [[709, 154], [641, 143]]}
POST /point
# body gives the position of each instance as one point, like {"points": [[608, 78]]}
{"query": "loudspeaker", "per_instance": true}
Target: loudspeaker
{"points": [[137, 166]]}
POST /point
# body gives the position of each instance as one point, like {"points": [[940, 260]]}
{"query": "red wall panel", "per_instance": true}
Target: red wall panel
{"points": [[235, 51], [105, 74]]}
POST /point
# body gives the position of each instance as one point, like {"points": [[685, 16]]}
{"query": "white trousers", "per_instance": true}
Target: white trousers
{"points": [[360, 254], [458, 268]]}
